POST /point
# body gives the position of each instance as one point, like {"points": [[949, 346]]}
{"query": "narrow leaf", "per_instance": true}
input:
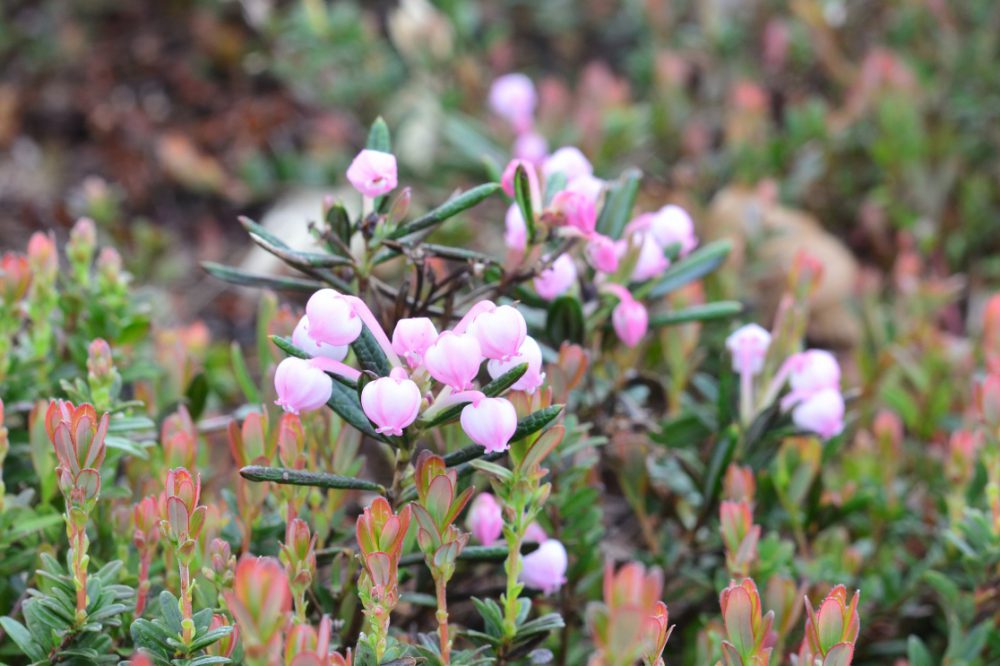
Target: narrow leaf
{"points": [[298, 477], [618, 204], [448, 209]]}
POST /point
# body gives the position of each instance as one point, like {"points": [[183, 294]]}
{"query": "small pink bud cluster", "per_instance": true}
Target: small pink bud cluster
{"points": [[632, 623], [815, 399], [298, 554]]}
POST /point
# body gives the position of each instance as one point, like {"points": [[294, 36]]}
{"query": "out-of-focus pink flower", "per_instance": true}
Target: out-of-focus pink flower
{"points": [[576, 210], [568, 161], [531, 147], [530, 353], [651, 262], [513, 98], [412, 337], [821, 413], [332, 319], [392, 403], [500, 332], [813, 370], [507, 179], [305, 342], [673, 225], [535, 534], [588, 185], [602, 253], [454, 360], [490, 422], [485, 519], [557, 279], [515, 235], [630, 320], [991, 333], [300, 386], [545, 569], [748, 345], [373, 173], [15, 277]]}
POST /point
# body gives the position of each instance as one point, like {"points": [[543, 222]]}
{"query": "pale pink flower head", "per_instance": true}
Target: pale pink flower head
{"points": [[821, 413], [529, 353], [515, 235], [748, 346], [672, 225], [412, 337], [588, 185], [557, 279], [576, 210], [485, 519], [391, 403], [545, 569], [490, 423], [630, 320], [332, 319], [507, 178], [500, 332], [454, 360], [513, 98], [602, 253], [650, 262], [300, 386], [373, 173], [305, 342], [568, 161], [531, 147], [813, 370], [535, 534]]}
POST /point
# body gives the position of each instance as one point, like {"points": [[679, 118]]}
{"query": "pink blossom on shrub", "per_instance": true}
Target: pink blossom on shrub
{"points": [[568, 161], [305, 342], [392, 403], [454, 360], [530, 353], [513, 98], [748, 346], [332, 319], [412, 337], [373, 173], [489, 422], [630, 320], [500, 332], [300, 386], [821, 413], [557, 279], [545, 568], [485, 519]]}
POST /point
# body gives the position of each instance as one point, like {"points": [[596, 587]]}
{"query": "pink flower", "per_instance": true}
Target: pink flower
{"points": [[485, 519], [373, 173], [302, 340], [813, 370], [672, 225], [535, 534], [500, 332], [531, 147], [588, 185], [576, 210], [412, 337], [513, 98], [821, 413], [454, 360], [568, 161], [748, 345], [630, 320], [557, 279], [650, 262], [300, 386], [507, 179], [515, 236], [490, 422], [332, 319], [602, 253], [545, 569], [391, 403], [529, 353]]}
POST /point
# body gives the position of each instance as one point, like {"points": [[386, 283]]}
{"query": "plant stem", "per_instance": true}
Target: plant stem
{"points": [[187, 610], [442, 618]]}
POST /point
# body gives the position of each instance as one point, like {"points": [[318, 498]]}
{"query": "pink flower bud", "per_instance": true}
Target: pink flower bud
{"points": [[821, 413], [507, 179], [485, 520], [500, 332], [602, 253], [576, 210], [672, 225], [300, 386], [490, 422], [568, 161], [557, 279], [545, 569], [373, 173], [813, 370], [332, 319], [530, 353], [305, 342], [748, 345], [412, 337], [454, 360], [588, 185], [650, 262], [515, 236], [391, 403], [513, 98], [531, 147], [630, 320]]}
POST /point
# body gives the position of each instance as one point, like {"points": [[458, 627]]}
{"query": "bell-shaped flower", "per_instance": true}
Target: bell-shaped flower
{"points": [[809, 372], [748, 346], [650, 261], [529, 352], [485, 519], [821, 413], [332, 319], [568, 161], [300, 386], [373, 173], [515, 235], [557, 279], [530, 147], [305, 342], [588, 185], [602, 253], [391, 403], [412, 337], [513, 98], [545, 568], [490, 422], [500, 332], [454, 360], [575, 210], [630, 320], [672, 225]]}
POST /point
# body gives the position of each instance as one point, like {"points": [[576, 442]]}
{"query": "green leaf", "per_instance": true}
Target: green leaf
{"points": [[535, 421], [196, 395], [618, 203], [448, 209], [339, 223], [208, 660], [522, 195], [128, 446], [22, 637], [243, 278], [171, 611], [285, 345], [554, 184], [242, 374], [296, 477], [207, 638], [722, 453], [707, 312], [565, 321], [346, 404], [36, 523], [917, 653], [370, 355], [492, 469], [696, 265], [378, 137], [300, 259]]}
